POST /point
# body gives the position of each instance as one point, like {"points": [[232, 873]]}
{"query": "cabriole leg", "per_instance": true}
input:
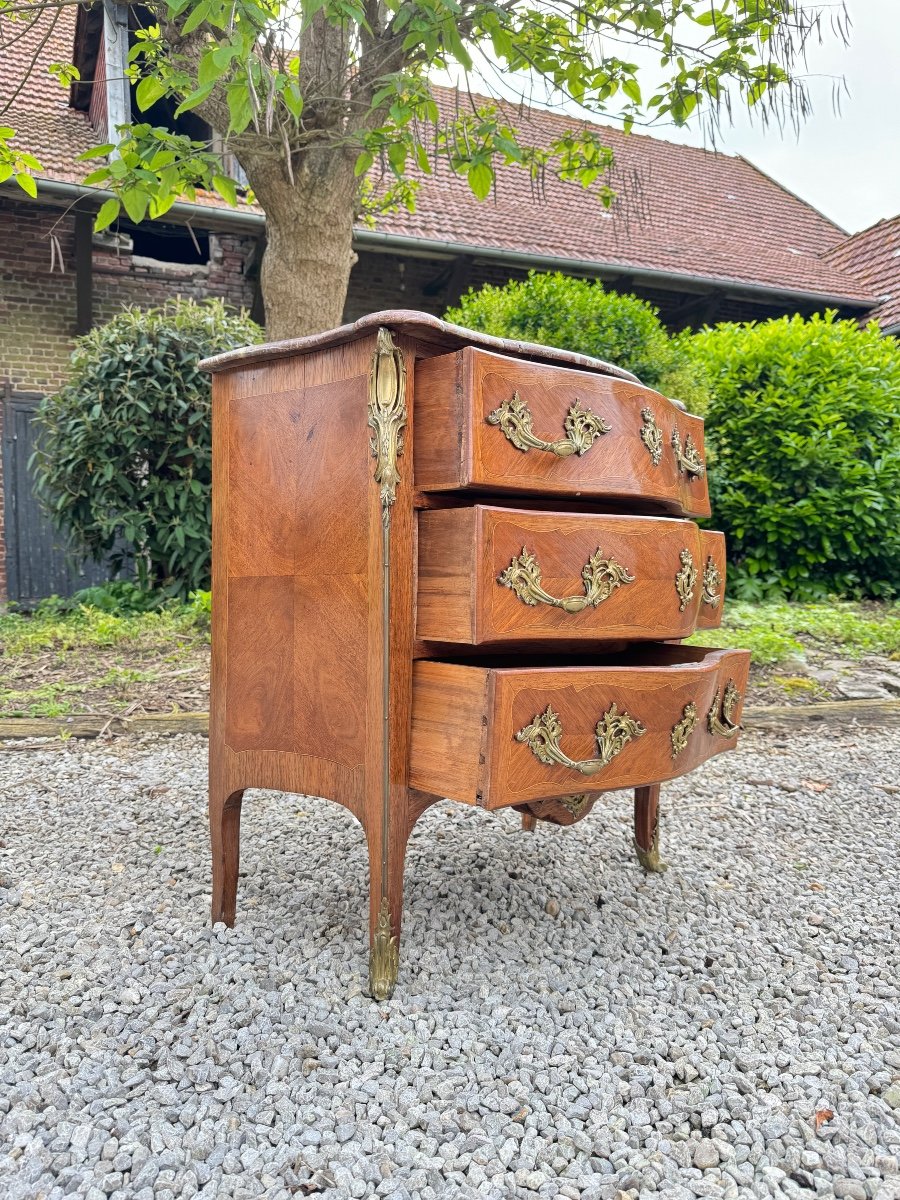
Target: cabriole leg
{"points": [[224, 836], [646, 828], [386, 898]]}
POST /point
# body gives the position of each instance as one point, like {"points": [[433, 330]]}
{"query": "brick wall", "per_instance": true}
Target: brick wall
{"points": [[37, 304]]}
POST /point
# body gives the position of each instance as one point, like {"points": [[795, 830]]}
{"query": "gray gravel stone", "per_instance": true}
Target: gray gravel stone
{"points": [[671, 1035], [705, 1154]]}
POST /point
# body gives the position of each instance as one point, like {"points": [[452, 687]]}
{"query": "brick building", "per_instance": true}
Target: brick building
{"points": [[703, 236]]}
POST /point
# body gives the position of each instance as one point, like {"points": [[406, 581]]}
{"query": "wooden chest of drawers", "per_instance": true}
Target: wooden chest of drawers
{"points": [[449, 566]]}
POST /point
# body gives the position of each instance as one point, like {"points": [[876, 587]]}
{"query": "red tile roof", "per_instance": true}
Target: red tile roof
{"points": [[873, 257], [682, 211], [40, 114]]}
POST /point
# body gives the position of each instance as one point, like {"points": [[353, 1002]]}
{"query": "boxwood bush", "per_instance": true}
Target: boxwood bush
{"points": [[804, 427], [123, 458], [578, 314]]}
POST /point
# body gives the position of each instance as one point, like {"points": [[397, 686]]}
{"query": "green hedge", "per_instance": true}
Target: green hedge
{"points": [[577, 314], [804, 436], [123, 462]]}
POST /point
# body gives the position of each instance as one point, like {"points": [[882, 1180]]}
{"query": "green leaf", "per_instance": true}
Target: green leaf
{"points": [[197, 17], [196, 97], [293, 101], [632, 90], [227, 189], [27, 184], [6, 169], [239, 108], [96, 152], [148, 91], [480, 177], [109, 210], [135, 201], [363, 163]]}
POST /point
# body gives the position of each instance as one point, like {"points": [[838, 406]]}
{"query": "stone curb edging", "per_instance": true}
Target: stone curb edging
{"points": [[768, 718]]}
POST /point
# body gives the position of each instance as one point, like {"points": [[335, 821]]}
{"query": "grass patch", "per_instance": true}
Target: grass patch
{"points": [[777, 631], [56, 663]]}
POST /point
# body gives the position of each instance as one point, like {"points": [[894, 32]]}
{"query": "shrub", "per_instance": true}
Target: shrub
{"points": [[578, 314], [123, 459], [804, 424]]}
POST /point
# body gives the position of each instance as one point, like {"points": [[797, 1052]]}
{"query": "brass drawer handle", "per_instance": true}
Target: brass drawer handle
{"points": [[689, 459], [651, 436], [601, 576], [684, 728], [582, 427], [614, 731], [724, 726], [685, 579], [712, 581]]}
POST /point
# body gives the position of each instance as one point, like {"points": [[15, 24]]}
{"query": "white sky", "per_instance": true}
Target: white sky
{"points": [[847, 164]]}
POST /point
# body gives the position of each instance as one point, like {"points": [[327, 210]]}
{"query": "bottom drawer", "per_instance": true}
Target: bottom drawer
{"points": [[499, 735]]}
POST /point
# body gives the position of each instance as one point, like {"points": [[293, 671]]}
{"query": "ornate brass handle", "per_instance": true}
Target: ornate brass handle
{"points": [[724, 726], [683, 729], [685, 579], [582, 427], [601, 576], [688, 459], [613, 732], [651, 436], [712, 581]]}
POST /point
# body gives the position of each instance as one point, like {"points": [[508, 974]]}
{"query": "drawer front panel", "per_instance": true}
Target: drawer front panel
{"points": [[540, 733], [489, 576], [497, 424]]}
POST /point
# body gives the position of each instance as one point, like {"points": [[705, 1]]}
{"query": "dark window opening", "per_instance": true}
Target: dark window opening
{"points": [[163, 111], [168, 243]]}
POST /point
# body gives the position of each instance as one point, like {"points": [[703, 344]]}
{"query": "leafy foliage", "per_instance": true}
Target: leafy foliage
{"points": [[124, 447], [805, 427], [281, 78], [775, 632], [578, 314]]}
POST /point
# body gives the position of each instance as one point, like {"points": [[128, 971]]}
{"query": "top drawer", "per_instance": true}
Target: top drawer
{"points": [[484, 422]]}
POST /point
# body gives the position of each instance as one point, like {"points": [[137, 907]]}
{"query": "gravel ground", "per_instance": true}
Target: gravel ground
{"points": [[563, 1025]]}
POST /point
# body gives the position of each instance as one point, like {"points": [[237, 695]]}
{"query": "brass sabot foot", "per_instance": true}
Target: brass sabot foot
{"points": [[384, 957], [649, 859]]}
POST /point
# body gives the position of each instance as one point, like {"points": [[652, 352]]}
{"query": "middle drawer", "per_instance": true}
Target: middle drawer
{"points": [[489, 576]]}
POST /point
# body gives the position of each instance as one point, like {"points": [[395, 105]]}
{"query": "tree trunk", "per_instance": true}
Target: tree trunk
{"points": [[309, 242]]}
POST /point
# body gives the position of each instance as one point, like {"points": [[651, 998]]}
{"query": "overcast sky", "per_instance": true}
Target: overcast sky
{"points": [[848, 166]]}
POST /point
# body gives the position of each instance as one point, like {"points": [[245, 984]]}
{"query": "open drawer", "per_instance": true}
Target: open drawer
{"points": [[493, 576], [509, 734], [489, 423]]}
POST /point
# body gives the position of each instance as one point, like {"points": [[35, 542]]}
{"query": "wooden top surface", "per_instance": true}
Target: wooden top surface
{"points": [[422, 326]]}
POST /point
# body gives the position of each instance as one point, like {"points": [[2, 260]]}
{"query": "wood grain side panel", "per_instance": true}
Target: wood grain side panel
{"points": [[655, 696], [713, 546], [329, 703], [448, 713], [291, 551], [264, 463], [259, 676], [618, 464], [288, 463], [447, 575]]}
